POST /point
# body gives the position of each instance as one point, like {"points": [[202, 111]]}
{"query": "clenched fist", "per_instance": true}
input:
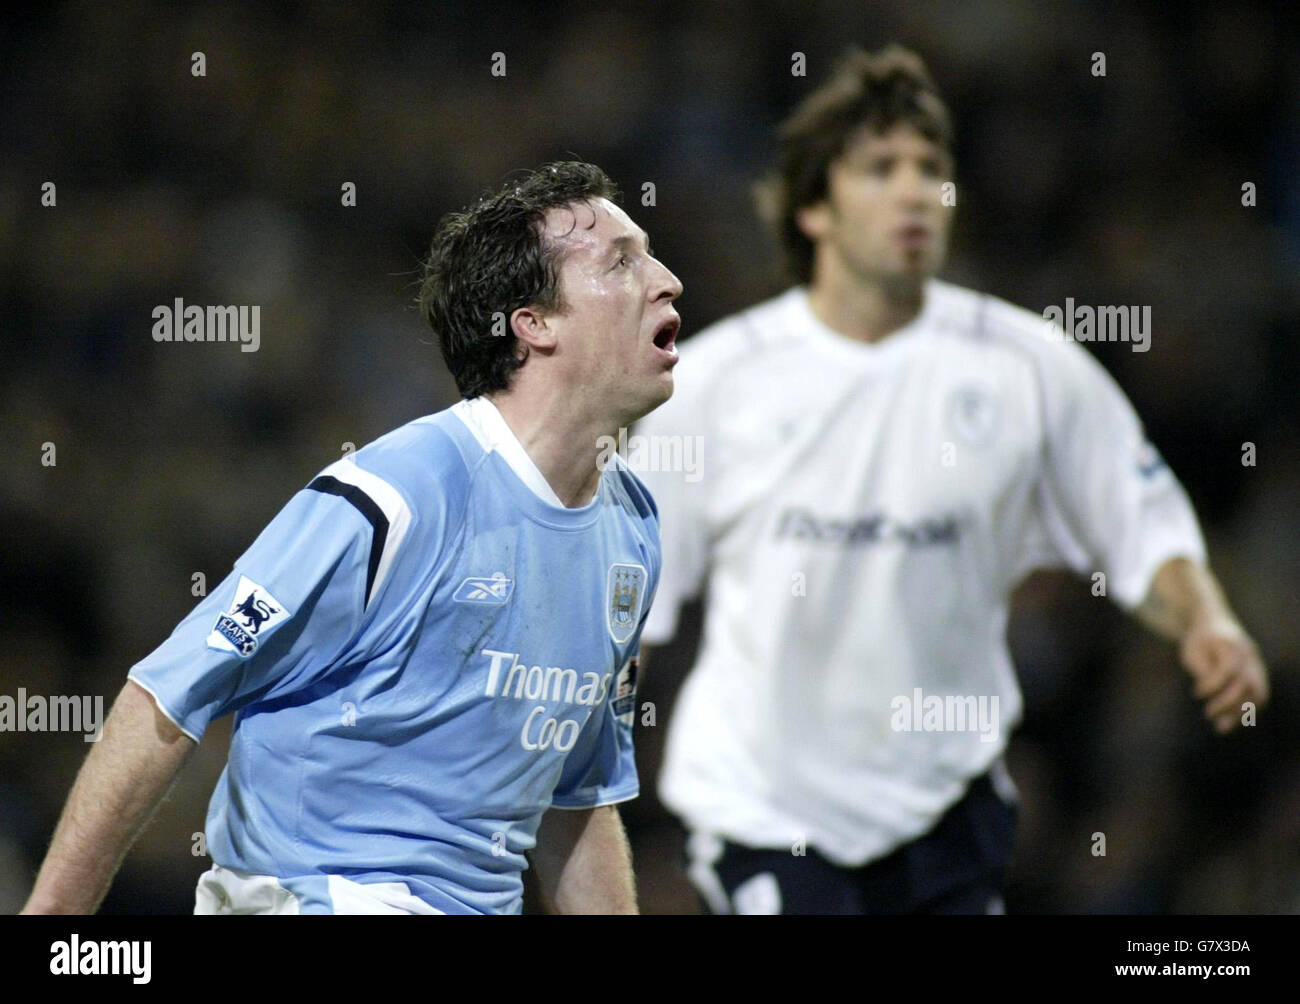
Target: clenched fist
{"points": [[1226, 669]]}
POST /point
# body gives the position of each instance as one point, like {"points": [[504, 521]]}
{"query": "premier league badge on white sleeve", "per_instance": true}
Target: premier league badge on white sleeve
{"points": [[253, 614], [1149, 460], [624, 597]]}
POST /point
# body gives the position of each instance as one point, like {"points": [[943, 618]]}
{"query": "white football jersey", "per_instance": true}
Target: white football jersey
{"points": [[861, 513]]}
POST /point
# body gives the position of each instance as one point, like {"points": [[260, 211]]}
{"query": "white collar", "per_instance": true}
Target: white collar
{"points": [[489, 427]]}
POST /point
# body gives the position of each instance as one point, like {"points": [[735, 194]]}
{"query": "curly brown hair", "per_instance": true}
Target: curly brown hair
{"points": [[877, 90]]}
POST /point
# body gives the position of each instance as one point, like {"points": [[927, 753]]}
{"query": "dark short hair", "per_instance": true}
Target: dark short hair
{"points": [[877, 90], [489, 260]]}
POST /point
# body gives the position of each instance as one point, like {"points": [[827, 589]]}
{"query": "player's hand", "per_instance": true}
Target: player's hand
{"points": [[1226, 668]]}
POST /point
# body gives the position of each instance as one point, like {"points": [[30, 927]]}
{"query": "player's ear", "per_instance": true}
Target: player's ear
{"points": [[530, 326], [814, 220]]}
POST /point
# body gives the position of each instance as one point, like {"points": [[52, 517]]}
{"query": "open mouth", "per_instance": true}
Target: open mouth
{"points": [[665, 338]]}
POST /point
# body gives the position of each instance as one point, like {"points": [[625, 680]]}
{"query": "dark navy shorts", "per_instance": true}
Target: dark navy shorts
{"points": [[959, 867]]}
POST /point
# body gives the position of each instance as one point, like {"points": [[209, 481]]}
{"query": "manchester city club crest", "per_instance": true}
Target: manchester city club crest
{"points": [[624, 597]]}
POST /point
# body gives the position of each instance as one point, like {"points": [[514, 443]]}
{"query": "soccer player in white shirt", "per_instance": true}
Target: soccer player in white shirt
{"points": [[884, 456]]}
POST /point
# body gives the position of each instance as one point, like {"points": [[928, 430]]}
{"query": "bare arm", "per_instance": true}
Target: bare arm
{"points": [[1186, 604], [583, 861], [120, 785]]}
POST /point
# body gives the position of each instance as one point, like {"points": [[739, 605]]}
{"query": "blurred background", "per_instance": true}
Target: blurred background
{"points": [[226, 189]]}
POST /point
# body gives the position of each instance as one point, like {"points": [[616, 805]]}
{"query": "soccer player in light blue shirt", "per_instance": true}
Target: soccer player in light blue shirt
{"points": [[430, 652]]}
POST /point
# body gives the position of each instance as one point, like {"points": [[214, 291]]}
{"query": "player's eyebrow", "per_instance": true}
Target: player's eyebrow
{"points": [[624, 243]]}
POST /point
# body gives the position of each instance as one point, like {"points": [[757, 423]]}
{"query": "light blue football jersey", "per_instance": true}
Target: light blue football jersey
{"points": [[422, 656]]}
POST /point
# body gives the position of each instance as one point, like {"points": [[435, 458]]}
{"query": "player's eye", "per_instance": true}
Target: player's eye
{"points": [[875, 165], [622, 259]]}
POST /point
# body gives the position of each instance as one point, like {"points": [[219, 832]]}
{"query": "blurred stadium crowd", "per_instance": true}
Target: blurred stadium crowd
{"points": [[225, 189]]}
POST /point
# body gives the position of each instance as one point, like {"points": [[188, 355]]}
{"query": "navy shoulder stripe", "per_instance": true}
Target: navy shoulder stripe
{"points": [[368, 508]]}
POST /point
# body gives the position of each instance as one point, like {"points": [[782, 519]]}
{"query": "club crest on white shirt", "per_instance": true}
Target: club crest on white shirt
{"points": [[972, 414], [624, 598], [253, 614]]}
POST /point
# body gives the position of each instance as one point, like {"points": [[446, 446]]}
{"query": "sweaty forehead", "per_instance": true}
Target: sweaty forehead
{"points": [[587, 225]]}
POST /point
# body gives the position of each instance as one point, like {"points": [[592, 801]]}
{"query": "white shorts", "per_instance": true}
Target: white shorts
{"points": [[227, 891]]}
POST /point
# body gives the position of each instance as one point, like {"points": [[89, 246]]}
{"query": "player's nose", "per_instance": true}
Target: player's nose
{"points": [[912, 187], [666, 286]]}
